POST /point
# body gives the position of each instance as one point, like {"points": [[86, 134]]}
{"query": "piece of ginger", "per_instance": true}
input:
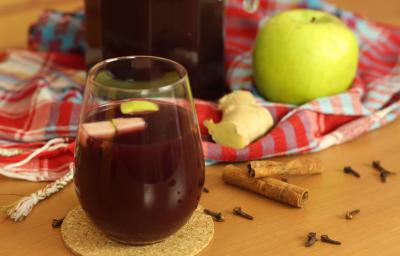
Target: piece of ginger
{"points": [[243, 120]]}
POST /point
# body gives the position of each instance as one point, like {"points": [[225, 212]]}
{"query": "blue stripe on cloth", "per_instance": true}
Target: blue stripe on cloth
{"points": [[268, 145], [366, 30], [242, 154], [313, 146], [48, 31], [214, 151], [272, 111], [365, 111], [347, 104], [325, 105], [376, 125], [345, 15], [77, 99], [290, 135], [6, 79], [49, 132], [314, 4], [390, 117], [306, 124], [210, 162], [389, 85], [243, 85], [68, 41], [53, 115], [378, 96], [241, 72], [75, 113], [373, 105]]}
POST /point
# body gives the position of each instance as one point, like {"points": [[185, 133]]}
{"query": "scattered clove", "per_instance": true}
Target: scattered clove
{"points": [[326, 239], [383, 176], [351, 171], [56, 223], [311, 239], [350, 214], [377, 165], [205, 190], [217, 216], [383, 172], [239, 212]]}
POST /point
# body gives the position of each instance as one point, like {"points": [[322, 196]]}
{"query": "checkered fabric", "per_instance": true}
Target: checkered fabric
{"points": [[41, 93]]}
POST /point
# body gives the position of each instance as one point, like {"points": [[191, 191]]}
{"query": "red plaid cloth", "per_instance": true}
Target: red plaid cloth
{"points": [[41, 96], [40, 100], [372, 101]]}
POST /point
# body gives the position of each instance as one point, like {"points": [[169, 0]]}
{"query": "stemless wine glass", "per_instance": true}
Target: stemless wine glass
{"points": [[139, 168]]}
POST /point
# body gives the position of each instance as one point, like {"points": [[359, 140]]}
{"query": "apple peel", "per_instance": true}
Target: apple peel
{"points": [[138, 106], [243, 120]]}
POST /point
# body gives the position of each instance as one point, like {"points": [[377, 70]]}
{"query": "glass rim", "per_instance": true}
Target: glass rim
{"points": [[98, 66]]}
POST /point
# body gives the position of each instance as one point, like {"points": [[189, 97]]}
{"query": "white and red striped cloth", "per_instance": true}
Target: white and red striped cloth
{"points": [[40, 97]]}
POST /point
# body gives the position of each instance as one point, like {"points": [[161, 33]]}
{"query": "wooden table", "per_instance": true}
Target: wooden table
{"points": [[277, 229]]}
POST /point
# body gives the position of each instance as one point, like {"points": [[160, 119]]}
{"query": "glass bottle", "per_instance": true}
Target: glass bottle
{"points": [[187, 31]]}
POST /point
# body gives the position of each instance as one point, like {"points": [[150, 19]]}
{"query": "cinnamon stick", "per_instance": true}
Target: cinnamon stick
{"points": [[299, 166], [269, 187]]}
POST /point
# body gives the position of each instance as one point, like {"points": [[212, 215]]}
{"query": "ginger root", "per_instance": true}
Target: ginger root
{"points": [[243, 120]]}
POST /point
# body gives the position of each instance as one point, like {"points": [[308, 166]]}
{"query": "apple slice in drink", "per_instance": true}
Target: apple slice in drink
{"points": [[107, 129], [138, 106], [126, 125], [98, 130]]}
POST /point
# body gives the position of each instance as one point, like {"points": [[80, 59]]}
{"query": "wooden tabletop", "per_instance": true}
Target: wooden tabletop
{"points": [[277, 229]]}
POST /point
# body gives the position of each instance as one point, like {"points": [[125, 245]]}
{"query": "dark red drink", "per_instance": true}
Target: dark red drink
{"points": [[141, 186]]}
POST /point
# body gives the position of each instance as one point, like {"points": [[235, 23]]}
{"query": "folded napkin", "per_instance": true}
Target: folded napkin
{"points": [[42, 93]]}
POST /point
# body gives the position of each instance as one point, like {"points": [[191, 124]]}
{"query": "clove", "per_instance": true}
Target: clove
{"points": [[311, 239], [383, 171], [217, 216], [56, 223], [351, 171], [350, 214], [205, 190], [326, 239], [284, 180], [383, 176], [239, 212]]}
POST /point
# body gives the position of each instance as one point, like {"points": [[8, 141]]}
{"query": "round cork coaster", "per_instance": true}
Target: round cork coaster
{"points": [[84, 239]]}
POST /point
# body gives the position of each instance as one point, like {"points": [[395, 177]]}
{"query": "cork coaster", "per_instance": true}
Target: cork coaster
{"points": [[84, 239]]}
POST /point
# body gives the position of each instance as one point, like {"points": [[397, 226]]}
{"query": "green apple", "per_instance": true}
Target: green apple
{"points": [[301, 54]]}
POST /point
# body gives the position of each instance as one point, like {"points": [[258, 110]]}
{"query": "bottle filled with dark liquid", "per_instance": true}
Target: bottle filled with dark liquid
{"points": [[187, 31]]}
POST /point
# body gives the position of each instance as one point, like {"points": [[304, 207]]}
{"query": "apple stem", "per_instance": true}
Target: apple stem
{"points": [[313, 19]]}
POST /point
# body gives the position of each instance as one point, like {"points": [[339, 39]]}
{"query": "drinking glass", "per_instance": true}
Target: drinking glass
{"points": [[139, 167]]}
